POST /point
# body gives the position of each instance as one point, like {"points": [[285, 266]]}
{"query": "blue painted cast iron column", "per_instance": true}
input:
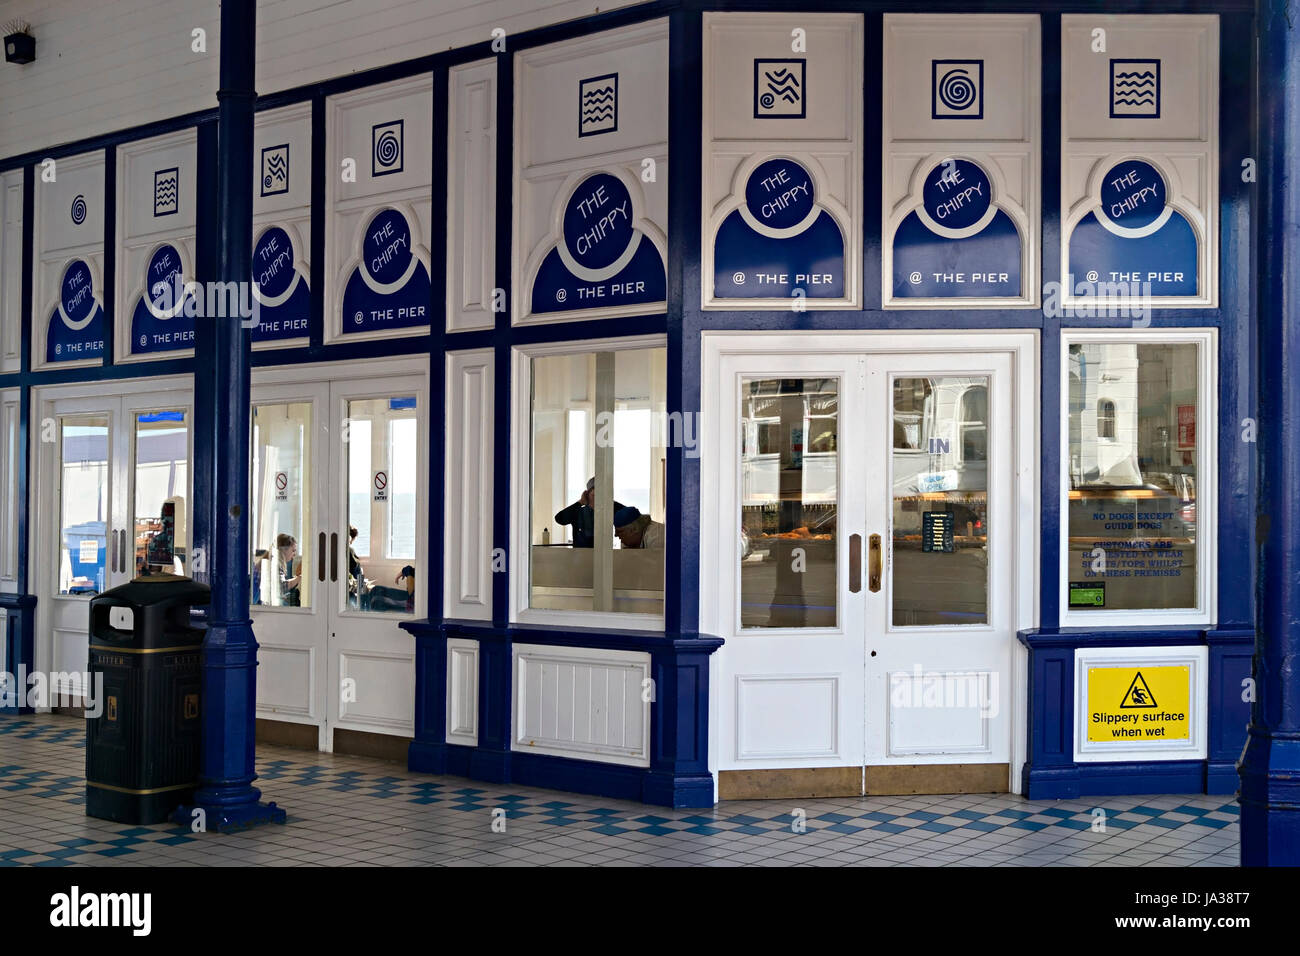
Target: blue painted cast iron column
{"points": [[1270, 764], [221, 387]]}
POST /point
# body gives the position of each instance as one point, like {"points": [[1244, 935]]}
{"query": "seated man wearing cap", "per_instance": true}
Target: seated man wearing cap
{"points": [[582, 515], [636, 530]]}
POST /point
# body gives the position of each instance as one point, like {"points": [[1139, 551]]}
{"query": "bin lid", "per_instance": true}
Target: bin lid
{"points": [[156, 589]]}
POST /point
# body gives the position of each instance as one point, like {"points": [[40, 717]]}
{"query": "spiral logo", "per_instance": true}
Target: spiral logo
{"points": [[266, 182], [79, 210], [767, 101], [956, 89], [387, 148]]}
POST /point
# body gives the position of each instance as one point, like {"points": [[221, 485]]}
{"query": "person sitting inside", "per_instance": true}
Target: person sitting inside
{"points": [[636, 530], [357, 583], [290, 571], [259, 558], [384, 598], [582, 515]]}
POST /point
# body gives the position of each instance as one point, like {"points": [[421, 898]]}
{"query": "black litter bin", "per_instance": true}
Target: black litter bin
{"points": [[142, 749]]}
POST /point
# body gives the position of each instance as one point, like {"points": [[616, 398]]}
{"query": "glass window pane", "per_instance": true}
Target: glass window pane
{"points": [[281, 498], [940, 522], [358, 442], [161, 481], [83, 443], [598, 427], [789, 502], [401, 481], [382, 505], [1132, 465]]}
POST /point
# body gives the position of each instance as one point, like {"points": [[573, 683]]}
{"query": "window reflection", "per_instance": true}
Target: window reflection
{"points": [[1132, 463], [789, 502], [940, 492], [83, 445], [161, 479]]}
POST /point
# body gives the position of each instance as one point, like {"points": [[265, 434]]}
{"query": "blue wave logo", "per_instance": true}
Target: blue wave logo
{"points": [[166, 191], [598, 105], [1135, 88]]}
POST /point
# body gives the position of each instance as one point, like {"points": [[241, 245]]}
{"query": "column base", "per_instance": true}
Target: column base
{"points": [[226, 819], [1270, 799]]}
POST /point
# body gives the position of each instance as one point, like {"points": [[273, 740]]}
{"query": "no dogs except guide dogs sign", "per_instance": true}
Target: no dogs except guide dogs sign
{"points": [[1139, 703]]}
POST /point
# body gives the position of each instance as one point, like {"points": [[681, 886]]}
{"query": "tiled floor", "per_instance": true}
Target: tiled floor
{"points": [[362, 812]]}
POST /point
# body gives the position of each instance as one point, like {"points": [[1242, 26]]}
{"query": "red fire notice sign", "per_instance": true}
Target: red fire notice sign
{"points": [[381, 486]]}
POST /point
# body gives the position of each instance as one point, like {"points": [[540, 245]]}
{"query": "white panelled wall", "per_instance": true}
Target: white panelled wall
{"points": [[11, 269], [102, 67]]}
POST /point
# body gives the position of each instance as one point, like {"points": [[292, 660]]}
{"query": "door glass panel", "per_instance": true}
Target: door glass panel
{"points": [[789, 502], [281, 495], [161, 479], [940, 513], [83, 554], [382, 444]]}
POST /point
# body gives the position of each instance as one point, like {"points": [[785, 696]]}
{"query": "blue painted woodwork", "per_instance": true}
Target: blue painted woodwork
{"points": [[678, 775], [1050, 770], [228, 700], [1270, 764], [1050, 773]]}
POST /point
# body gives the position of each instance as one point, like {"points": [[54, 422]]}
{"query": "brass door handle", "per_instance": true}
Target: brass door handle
{"points": [[855, 563], [873, 563]]}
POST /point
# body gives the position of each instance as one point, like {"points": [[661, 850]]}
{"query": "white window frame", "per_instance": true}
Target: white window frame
{"points": [[521, 444], [1207, 471]]}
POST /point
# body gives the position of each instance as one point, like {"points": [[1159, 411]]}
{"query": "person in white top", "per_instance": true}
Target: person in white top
{"points": [[635, 530]]}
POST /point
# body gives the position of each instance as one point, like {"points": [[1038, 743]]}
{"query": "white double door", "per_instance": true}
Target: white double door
{"points": [[333, 449], [869, 599], [111, 500]]}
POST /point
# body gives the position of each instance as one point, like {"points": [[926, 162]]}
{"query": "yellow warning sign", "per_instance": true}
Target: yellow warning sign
{"points": [[1139, 703]]}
